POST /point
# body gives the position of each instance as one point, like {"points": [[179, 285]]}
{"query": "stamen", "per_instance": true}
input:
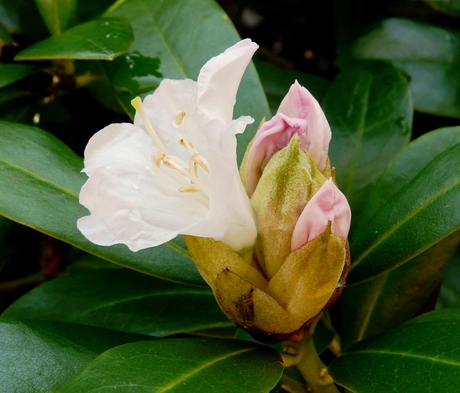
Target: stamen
{"points": [[190, 188], [173, 163], [157, 157], [137, 105], [179, 118], [201, 161]]}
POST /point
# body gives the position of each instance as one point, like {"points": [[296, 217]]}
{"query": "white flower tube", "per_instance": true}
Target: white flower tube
{"points": [[174, 171]]}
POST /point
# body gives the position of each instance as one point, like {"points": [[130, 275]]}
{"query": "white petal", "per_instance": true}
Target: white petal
{"points": [[130, 209], [219, 80], [229, 203], [118, 146]]}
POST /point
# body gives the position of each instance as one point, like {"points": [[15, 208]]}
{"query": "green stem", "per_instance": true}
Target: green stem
{"points": [[303, 355]]}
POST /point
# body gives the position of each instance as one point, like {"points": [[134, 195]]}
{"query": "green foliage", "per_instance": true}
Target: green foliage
{"points": [[69, 68], [420, 355]]}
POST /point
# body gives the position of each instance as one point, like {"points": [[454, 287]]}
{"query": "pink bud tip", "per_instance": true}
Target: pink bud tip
{"points": [[299, 113], [329, 204]]}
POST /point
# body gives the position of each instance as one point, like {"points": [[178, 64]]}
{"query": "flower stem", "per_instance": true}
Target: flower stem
{"points": [[303, 355]]}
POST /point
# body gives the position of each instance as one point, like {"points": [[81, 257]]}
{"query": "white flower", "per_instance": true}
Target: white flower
{"points": [[174, 171]]}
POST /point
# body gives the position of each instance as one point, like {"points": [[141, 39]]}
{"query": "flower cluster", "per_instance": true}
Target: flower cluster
{"points": [[270, 239]]}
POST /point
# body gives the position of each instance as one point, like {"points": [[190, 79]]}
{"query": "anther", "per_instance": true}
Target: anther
{"points": [[190, 188], [179, 118], [201, 161], [157, 157]]}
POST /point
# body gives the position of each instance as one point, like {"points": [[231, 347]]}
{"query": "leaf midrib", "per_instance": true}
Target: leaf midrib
{"points": [[404, 354], [393, 228], [201, 367]]}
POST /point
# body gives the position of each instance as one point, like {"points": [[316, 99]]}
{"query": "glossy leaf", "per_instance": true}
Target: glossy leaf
{"points": [[122, 300], [277, 81], [57, 14], [44, 356], [419, 356], [407, 165], [369, 109], [182, 365], [449, 295], [429, 55], [10, 73], [40, 181], [99, 39], [449, 6], [179, 37], [391, 299], [421, 214]]}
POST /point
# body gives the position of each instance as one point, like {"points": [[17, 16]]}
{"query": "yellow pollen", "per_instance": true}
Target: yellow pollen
{"points": [[201, 161], [179, 118], [190, 188]]}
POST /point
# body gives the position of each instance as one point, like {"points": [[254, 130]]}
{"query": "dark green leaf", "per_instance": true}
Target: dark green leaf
{"points": [[4, 34], [449, 295], [182, 365], [420, 356], [277, 81], [449, 6], [40, 181], [102, 39], [391, 299], [123, 300], [44, 356], [58, 15], [179, 38], [421, 214], [22, 16], [10, 73], [370, 112], [429, 55], [407, 165]]}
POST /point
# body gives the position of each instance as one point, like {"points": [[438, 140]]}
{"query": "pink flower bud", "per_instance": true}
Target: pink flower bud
{"points": [[327, 205], [299, 113]]}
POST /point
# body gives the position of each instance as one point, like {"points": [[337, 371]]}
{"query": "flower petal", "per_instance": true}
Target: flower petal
{"points": [[271, 137], [219, 80], [229, 203], [299, 103], [327, 205]]}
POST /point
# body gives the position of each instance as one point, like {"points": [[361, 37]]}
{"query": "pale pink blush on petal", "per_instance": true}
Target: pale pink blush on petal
{"points": [[273, 136], [299, 103], [329, 204]]}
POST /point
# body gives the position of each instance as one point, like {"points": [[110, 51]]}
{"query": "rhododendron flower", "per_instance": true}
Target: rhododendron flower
{"points": [[300, 260], [174, 170]]}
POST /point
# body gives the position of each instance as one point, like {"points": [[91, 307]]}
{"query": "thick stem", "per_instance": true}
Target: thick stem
{"points": [[303, 355]]}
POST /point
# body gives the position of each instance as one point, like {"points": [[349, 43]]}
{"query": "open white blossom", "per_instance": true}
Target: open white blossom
{"points": [[174, 170]]}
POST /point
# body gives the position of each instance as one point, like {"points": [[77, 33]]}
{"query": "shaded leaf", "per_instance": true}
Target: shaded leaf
{"points": [[44, 356], [449, 295], [391, 299], [421, 214], [449, 6], [58, 15], [407, 165], [225, 366], [168, 34], [277, 81], [430, 55], [419, 356], [369, 109], [40, 181], [102, 39], [10, 73], [122, 300]]}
